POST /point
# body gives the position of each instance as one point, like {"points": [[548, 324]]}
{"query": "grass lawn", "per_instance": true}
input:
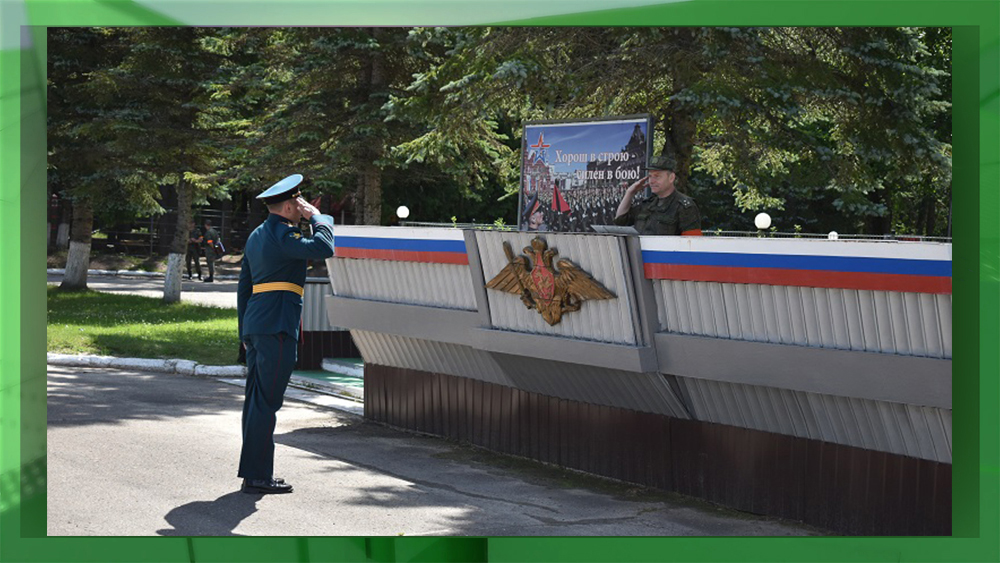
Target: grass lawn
{"points": [[130, 326]]}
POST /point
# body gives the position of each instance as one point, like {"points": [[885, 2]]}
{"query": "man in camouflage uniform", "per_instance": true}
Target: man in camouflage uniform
{"points": [[194, 249], [666, 211], [210, 237]]}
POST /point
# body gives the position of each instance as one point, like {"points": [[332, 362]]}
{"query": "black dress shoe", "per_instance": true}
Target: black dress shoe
{"points": [[266, 486], [209, 279]]}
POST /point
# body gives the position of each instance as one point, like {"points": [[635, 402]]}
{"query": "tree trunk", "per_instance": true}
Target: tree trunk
{"points": [[680, 127], [78, 259], [370, 173], [930, 208], [62, 231], [178, 244], [372, 186]]}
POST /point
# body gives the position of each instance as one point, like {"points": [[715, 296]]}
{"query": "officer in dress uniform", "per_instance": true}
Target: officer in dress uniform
{"points": [[666, 211], [269, 308]]}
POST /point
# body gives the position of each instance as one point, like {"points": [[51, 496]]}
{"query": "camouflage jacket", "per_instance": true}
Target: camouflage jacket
{"points": [[671, 215]]}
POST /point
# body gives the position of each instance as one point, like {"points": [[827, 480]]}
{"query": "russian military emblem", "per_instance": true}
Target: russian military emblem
{"points": [[550, 290]]}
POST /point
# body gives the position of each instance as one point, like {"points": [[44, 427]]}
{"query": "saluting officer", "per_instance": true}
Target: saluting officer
{"points": [[665, 212], [269, 307]]}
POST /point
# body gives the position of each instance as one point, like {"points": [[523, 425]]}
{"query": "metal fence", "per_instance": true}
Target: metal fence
{"points": [[154, 235], [759, 234]]}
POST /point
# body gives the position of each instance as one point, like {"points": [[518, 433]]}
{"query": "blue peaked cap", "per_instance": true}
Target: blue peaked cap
{"points": [[285, 189]]}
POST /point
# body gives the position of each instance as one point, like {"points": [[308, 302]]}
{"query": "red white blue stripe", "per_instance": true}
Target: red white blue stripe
{"points": [[435, 246], [884, 266]]}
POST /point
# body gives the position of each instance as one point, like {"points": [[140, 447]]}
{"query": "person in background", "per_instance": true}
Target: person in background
{"points": [[193, 249], [210, 238]]}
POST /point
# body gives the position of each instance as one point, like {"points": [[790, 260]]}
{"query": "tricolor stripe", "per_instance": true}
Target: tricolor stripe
{"points": [[842, 272], [433, 251]]}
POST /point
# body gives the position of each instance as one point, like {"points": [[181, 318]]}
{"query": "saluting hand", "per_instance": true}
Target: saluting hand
{"points": [[639, 184], [306, 208]]}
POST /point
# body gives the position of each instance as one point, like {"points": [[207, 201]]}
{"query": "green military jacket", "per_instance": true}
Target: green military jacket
{"points": [[671, 215], [194, 234], [211, 238]]}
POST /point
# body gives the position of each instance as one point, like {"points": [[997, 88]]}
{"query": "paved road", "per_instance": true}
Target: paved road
{"points": [[132, 453], [220, 293]]}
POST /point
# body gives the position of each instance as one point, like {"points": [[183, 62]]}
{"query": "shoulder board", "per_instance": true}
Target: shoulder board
{"points": [[684, 200]]}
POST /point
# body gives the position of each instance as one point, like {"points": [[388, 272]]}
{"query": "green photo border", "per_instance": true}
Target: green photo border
{"points": [[976, 265]]}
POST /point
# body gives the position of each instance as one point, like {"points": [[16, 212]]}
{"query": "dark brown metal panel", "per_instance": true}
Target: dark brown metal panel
{"points": [[579, 434], [477, 412], [496, 427], [855, 504], [437, 408], [507, 420], [564, 438], [546, 426], [315, 345], [524, 437], [909, 478], [793, 474], [604, 440], [465, 412], [842, 488], [450, 387], [940, 502], [875, 492], [588, 426]]}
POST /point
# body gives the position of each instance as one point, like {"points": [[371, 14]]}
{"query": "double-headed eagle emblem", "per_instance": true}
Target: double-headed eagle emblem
{"points": [[549, 291]]}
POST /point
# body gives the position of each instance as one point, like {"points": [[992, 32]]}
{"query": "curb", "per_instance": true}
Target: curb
{"points": [[343, 368], [325, 395], [129, 273], [183, 367]]}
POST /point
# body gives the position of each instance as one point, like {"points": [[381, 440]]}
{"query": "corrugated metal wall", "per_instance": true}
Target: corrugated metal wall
{"points": [[414, 283], [917, 324], [850, 490], [427, 355], [314, 317], [603, 257], [915, 431], [644, 392]]}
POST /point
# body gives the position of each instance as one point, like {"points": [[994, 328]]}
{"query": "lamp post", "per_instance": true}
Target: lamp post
{"points": [[762, 221]]}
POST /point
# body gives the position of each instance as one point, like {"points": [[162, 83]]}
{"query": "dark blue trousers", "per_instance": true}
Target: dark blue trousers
{"points": [[270, 359]]}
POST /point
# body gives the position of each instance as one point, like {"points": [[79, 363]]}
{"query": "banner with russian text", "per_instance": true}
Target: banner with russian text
{"points": [[574, 173]]}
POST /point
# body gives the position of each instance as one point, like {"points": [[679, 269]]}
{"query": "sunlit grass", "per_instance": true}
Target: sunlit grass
{"points": [[131, 326]]}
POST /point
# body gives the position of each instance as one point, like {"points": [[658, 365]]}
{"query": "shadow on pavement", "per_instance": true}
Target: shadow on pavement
{"points": [[217, 517], [84, 396]]}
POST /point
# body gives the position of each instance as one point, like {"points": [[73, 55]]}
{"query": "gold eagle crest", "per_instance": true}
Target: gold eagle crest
{"points": [[549, 291]]}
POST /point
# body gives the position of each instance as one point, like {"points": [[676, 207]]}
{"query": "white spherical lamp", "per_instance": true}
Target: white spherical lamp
{"points": [[832, 235], [402, 212], [762, 221]]}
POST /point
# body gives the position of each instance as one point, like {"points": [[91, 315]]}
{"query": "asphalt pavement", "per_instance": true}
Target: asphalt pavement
{"points": [[134, 453]]}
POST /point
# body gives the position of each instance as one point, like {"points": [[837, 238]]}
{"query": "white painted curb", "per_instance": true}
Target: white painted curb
{"points": [[343, 369], [183, 367]]}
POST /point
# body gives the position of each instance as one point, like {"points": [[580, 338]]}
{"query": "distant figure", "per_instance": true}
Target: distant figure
{"points": [[193, 249], [269, 309], [211, 238], [666, 211]]}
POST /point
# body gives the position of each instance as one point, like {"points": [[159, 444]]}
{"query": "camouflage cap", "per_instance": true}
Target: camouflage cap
{"points": [[660, 162]]}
